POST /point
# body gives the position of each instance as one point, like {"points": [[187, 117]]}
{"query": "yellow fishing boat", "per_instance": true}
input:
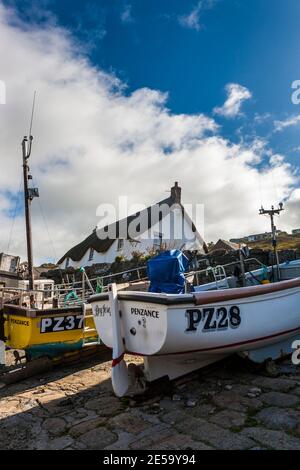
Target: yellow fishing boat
{"points": [[36, 316], [48, 332], [43, 329]]}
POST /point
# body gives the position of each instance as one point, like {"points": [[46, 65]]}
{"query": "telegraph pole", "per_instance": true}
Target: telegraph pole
{"points": [[271, 213]]}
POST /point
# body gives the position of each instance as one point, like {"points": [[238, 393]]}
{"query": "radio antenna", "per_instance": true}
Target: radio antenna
{"points": [[32, 114], [30, 138]]}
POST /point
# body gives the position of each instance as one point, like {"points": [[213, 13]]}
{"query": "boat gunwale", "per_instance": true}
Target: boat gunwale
{"points": [[16, 310], [203, 298], [132, 296], [245, 292]]}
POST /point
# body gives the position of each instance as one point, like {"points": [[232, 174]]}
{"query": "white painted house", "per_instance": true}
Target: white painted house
{"points": [[165, 225]]}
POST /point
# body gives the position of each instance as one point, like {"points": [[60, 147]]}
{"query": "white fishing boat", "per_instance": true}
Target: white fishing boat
{"points": [[176, 334]]}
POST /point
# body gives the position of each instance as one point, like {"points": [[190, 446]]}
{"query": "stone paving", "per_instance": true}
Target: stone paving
{"points": [[226, 407]]}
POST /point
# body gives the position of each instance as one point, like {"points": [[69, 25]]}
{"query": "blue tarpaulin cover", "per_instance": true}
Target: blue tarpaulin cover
{"points": [[166, 272]]}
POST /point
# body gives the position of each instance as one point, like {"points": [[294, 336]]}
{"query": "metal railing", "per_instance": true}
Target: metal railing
{"points": [[22, 297], [79, 291], [71, 293], [226, 267]]}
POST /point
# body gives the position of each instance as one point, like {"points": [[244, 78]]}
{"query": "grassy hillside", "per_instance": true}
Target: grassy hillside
{"points": [[285, 242]]}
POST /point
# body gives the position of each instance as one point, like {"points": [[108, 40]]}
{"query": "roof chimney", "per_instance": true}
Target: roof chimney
{"points": [[176, 193]]}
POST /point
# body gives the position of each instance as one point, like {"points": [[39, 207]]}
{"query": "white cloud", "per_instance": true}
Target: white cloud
{"points": [[94, 143], [192, 20], [126, 15], [236, 95], [262, 118], [291, 121], [90, 25]]}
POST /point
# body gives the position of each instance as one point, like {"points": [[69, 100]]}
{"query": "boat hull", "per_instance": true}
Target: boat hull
{"points": [[151, 328], [177, 334], [49, 333], [177, 365]]}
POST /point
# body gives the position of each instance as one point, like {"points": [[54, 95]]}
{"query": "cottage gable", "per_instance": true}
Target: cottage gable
{"points": [[139, 232]]}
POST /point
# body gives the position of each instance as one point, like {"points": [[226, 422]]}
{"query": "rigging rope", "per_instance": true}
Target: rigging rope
{"points": [[260, 189], [45, 224], [48, 232], [14, 218]]}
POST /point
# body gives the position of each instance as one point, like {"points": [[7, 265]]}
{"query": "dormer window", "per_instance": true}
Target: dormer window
{"points": [[91, 255], [157, 240], [120, 244]]}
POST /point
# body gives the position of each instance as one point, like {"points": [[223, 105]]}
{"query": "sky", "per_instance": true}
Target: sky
{"points": [[134, 95]]}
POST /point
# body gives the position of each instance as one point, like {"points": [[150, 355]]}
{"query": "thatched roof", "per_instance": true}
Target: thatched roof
{"points": [[100, 240]]}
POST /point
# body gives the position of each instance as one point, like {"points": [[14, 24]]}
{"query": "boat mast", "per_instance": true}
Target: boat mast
{"points": [[271, 212], [29, 194], [26, 150]]}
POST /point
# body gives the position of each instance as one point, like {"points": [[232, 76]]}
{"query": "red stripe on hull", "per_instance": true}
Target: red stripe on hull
{"points": [[117, 361], [220, 348]]}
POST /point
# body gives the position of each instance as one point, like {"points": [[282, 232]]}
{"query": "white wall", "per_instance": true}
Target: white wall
{"points": [[187, 240], [9, 263]]}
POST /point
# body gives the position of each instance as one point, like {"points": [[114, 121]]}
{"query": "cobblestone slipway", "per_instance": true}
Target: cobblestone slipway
{"points": [[227, 407]]}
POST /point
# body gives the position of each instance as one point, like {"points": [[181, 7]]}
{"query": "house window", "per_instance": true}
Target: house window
{"points": [[120, 244], [157, 242], [67, 262], [91, 255]]}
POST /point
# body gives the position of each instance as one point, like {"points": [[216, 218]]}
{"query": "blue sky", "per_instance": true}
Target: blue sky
{"points": [[146, 44], [205, 83]]}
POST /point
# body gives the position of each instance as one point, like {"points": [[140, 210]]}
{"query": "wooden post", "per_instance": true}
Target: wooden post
{"points": [[2, 343], [2, 353], [119, 374], [83, 286], [242, 264]]}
